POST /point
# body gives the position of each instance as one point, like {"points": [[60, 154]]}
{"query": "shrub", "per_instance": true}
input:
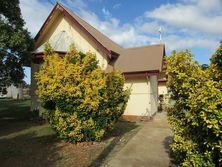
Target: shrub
{"points": [[196, 116], [82, 100], [4, 91]]}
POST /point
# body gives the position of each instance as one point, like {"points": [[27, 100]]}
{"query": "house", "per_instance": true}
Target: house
{"points": [[140, 66], [14, 92]]}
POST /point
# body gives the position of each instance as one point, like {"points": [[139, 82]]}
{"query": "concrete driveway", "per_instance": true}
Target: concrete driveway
{"points": [[148, 148]]}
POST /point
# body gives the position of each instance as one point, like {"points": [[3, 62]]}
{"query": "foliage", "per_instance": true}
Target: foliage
{"points": [[83, 101], [15, 44], [204, 66], [216, 64], [196, 116]]}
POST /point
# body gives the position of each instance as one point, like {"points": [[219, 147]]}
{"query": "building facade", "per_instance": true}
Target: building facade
{"points": [[140, 66]]}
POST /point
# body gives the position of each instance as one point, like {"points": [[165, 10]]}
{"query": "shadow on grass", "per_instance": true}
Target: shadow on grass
{"points": [[29, 150], [15, 115], [9, 127], [25, 143], [121, 129], [15, 110]]}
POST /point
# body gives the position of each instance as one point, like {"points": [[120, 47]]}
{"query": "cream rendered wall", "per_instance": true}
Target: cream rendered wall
{"points": [[162, 89], [143, 98], [138, 103], [82, 42]]}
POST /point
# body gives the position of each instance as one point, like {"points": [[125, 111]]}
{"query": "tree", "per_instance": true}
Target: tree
{"points": [[15, 44], [216, 63], [196, 116], [82, 101], [217, 57], [204, 66]]}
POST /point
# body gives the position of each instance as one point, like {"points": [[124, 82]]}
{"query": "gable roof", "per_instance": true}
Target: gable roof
{"points": [[146, 58], [103, 39], [107, 45]]}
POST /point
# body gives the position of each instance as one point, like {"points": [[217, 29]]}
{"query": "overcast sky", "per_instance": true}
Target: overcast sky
{"points": [[186, 24]]}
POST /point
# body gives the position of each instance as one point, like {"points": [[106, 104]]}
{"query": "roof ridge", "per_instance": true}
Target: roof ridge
{"points": [[144, 46]]}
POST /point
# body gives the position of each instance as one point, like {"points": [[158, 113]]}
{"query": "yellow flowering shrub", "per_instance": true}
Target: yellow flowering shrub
{"points": [[82, 100], [196, 116]]}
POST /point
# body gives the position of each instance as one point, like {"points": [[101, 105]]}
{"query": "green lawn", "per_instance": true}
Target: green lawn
{"points": [[27, 142], [14, 109]]}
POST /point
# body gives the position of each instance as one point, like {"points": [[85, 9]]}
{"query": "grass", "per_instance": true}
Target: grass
{"points": [[24, 142], [15, 109]]}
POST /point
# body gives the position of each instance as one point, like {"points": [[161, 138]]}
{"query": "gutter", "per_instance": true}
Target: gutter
{"points": [[141, 73]]}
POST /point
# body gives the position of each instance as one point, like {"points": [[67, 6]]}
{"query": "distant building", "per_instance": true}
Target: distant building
{"points": [[13, 92]]}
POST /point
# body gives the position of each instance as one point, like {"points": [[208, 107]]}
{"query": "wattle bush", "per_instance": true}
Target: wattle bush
{"points": [[82, 100]]}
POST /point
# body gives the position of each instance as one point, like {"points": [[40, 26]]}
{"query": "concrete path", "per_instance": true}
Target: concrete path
{"points": [[148, 148]]}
